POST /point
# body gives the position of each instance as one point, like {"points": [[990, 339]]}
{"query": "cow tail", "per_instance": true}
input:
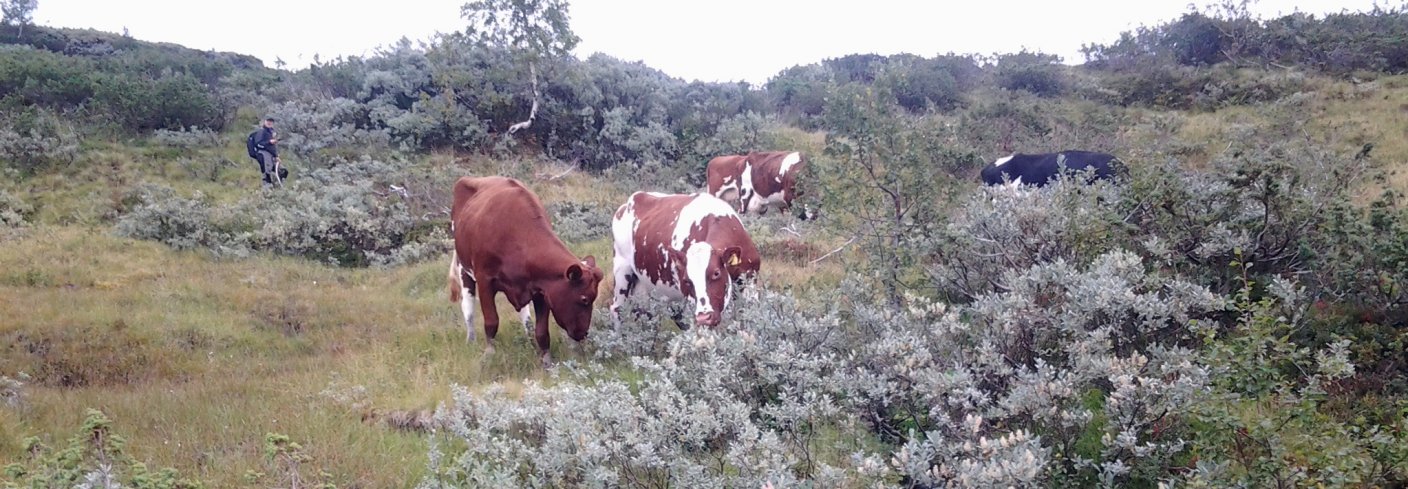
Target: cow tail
{"points": [[455, 282]]}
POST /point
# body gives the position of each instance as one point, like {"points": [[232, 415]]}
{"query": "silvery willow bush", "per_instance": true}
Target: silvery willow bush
{"points": [[1114, 335], [12, 393], [577, 222], [1022, 388], [310, 129], [157, 213], [344, 215], [14, 212], [31, 139]]}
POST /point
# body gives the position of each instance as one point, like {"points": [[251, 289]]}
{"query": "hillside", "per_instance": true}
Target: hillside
{"points": [[1231, 313]]}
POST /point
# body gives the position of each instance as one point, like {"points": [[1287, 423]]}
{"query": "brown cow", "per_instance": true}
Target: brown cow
{"points": [[503, 236], [681, 246], [756, 181]]}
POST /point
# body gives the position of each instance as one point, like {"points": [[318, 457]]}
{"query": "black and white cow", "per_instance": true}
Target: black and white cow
{"points": [[1041, 169]]}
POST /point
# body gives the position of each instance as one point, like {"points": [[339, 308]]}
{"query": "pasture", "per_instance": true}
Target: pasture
{"points": [[1233, 313]]}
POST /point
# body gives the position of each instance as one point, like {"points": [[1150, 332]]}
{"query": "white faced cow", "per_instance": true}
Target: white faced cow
{"points": [[680, 247], [1041, 169], [756, 181]]}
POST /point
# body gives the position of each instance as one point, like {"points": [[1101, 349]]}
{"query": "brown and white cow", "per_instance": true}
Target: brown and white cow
{"points": [[681, 247], [756, 181], [504, 243]]}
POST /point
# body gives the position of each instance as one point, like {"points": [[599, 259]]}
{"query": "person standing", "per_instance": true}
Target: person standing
{"points": [[263, 147]]}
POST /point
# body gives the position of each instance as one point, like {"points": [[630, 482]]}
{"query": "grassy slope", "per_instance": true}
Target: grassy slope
{"points": [[1344, 114], [196, 359]]}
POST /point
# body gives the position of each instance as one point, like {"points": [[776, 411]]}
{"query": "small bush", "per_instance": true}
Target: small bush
{"points": [[581, 222], [158, 214], [187, 138], [33, 139], [12, 391], [14, 212], [94, 458], [288, 461]]}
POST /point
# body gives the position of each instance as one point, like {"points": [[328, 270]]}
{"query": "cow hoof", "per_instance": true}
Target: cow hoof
{"points": [[547, 360], [489, 349]]}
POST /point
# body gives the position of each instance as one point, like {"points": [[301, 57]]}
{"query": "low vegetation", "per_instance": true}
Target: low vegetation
{"points": [[1232, 313]]}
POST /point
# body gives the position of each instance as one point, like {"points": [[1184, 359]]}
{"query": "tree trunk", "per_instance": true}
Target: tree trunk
{"points": [[533, 112]]}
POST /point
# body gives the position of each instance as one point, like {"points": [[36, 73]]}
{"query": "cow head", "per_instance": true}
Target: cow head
{"points": [[708, 270], [571, 296], [791, 190]]}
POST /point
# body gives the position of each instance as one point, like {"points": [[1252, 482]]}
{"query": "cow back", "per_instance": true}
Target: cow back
{"points": [[502, 228], [723, 170]]}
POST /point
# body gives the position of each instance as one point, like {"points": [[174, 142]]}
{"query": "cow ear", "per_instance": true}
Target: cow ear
{"points": [[733, 256], [590, 261], [574, 272]]}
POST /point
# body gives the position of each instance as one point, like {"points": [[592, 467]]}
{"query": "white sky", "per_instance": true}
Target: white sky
{"points": [[711, 40]]}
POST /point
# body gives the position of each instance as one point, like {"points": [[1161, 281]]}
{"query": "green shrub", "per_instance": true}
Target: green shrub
{"points": [[42, 78], [919, 84], [1038, 73], [1337, 43], [94, 458], [171, 101]]}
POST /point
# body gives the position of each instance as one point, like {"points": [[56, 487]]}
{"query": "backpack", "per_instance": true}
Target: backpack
{"points": [[251, 146]]}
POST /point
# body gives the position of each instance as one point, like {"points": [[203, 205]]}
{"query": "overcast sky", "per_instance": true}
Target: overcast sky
{"points": [[712, 40]]}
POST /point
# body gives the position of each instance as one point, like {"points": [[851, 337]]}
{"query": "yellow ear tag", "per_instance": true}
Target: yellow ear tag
{"points": [[733, 261]]}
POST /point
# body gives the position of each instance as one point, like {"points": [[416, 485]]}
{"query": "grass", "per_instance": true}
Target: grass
{"points": [[196, 359], [1342, 115]]}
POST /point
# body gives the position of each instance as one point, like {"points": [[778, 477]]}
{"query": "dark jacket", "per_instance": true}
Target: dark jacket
{"points": [[263, 142]]}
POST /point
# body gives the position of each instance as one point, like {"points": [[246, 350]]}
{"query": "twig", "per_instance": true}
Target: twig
{"points": [[838, 249], [790, 230], [563, 174]]}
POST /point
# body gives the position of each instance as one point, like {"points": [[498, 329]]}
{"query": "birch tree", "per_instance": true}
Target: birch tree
{"points": [[18, 12], [532, 30]]}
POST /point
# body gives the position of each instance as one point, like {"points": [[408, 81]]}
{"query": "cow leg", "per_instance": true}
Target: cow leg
{"points": [[677, 314], [526, 315], [625, 284], [467, 287], [491, 316], [745, 198], [540, 331]]}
